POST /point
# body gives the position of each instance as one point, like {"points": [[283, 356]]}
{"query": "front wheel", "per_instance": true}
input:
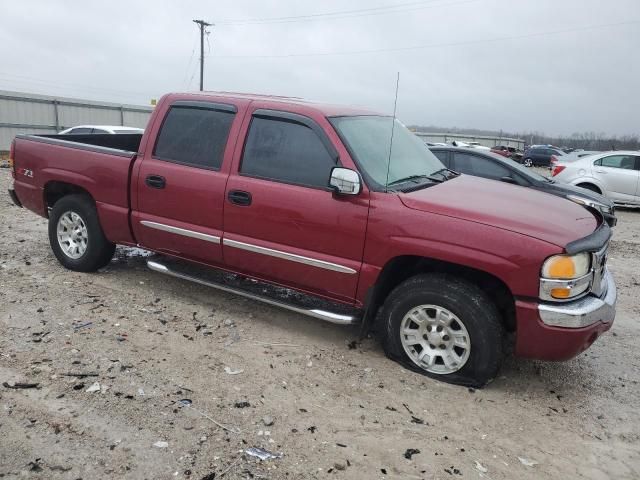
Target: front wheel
{"points": [[527, 162], [75, 235], [444, 327]]}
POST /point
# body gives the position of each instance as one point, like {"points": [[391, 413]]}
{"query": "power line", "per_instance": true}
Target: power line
{"points": [[436, 45], [398, 8]]}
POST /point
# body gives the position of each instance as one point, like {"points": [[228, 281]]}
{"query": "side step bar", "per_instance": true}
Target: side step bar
{"points": [[215, 279]]}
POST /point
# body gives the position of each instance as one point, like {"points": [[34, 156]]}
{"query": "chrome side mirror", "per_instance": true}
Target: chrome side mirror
{"points": [[345, 181]]}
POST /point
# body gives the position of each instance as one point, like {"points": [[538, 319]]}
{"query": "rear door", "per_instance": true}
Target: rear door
{"points": [[282, 223], [619, 175], [181, 180]]}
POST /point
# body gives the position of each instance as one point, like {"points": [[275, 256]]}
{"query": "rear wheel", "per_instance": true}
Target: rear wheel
{"points": [[75, 235], [445, 328], [527, 162]]}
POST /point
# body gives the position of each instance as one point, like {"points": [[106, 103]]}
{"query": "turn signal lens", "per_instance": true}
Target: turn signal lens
{"points": [[561, 292], [566, 267]]}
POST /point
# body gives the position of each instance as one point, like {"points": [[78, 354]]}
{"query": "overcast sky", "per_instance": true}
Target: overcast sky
{"points": [[554, 66]]}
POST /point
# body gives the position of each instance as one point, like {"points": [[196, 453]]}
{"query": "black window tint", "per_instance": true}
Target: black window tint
{"points": [[480, 166], [99, 130], [286, 151], [443, 157], [194, 136], [77, 131]]}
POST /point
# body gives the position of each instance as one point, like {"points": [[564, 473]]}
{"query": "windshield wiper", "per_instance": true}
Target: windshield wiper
{"points": [[414, 178], [442, 172]]}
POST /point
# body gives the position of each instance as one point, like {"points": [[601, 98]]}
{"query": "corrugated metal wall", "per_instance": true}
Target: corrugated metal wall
{"points": [[31, 113]]}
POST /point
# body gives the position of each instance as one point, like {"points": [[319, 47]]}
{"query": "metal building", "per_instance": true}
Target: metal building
{"points": [[31, 113]]}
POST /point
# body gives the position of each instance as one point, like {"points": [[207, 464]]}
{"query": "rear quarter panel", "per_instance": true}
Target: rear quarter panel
{"points": [[104, 176]]}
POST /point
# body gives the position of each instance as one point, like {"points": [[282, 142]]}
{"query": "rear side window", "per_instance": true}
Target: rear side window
{"points": [[194, 136], [286, 151], [480, 166], [80, 130], [627, 162]]}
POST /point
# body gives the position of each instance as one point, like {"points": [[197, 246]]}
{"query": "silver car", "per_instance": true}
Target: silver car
{"points": [[616, 175]]}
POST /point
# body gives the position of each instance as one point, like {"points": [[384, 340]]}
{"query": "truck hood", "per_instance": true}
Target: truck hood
{"points": [[510, 207]]}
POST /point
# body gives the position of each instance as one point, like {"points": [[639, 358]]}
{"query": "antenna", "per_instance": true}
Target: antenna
{"points": [[393, 127]]}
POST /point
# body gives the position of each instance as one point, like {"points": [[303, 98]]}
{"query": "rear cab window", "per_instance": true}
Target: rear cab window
{"points": [[195, 134], [287, 148]]}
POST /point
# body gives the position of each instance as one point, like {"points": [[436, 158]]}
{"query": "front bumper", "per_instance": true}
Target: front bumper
{"points": [[583, 312], [561, 331]]}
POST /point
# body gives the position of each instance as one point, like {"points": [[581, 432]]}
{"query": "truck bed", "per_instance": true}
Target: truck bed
{"points": [[47, 165]]}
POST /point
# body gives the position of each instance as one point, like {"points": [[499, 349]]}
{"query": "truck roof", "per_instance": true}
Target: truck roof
{"points": [[327, 109]]}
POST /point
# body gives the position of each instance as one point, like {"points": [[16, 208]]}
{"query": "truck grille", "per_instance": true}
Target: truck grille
{"points": [[599, 262]]}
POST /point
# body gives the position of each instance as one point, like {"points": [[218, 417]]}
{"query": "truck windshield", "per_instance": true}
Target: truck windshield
{"points": [[368, 138]]}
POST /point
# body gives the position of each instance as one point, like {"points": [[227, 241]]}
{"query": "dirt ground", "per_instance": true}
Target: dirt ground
{"points": [[334, 409]]}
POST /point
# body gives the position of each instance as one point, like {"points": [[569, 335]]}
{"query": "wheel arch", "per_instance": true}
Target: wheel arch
{"points": [[55, 190], [401, 268]]}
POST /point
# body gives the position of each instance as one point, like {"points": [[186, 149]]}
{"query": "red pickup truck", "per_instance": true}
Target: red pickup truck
{"points": [[326, 201]]}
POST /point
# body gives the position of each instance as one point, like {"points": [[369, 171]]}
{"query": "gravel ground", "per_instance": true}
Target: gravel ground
{"points": [[257, 376]]}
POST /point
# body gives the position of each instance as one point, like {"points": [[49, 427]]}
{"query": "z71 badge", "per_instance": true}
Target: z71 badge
{"points": [[26, 172]]}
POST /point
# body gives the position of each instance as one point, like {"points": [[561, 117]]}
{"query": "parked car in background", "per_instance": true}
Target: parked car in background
{"points": [[615, 175], [478, 145], [495, 167], [503, 150], [313, 198], [540, 155], [112, 129], [571, 157]]}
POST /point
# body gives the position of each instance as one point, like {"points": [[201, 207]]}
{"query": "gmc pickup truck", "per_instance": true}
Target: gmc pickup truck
{"points": [[362, 224]]}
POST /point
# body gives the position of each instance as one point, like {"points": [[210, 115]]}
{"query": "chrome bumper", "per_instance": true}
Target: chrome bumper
{"points": [[583, 312]]}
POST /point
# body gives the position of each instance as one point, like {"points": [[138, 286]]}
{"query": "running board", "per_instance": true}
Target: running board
{"points": [[306, 305]]}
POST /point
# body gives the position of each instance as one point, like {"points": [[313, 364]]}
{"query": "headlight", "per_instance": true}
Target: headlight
{"points": [[566, 267], [587, 202], [565, 276]]}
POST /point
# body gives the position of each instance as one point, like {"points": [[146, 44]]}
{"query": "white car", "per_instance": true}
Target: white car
{"points": [[112, 129], [615, 175]]}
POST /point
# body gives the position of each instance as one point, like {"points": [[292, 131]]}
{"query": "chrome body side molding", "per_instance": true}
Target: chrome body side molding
{"points": [[288, 256], [181, 231]]}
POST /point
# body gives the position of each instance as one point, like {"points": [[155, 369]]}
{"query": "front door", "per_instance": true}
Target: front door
{"points": [[181, 181], [282, 223]]}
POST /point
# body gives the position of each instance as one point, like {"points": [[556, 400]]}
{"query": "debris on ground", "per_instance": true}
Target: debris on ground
{"points": [[526, 462], [243, 404], [93, 388], [230, 371], [82, 325], [410, 452], [481, 468], [262, 454], [161, 444], [267, 420], [18, 385]]}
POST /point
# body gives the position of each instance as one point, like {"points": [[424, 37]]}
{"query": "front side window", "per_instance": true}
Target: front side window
{"points": [[194, 136], [626, 162], [479, 166], [286, 151]]}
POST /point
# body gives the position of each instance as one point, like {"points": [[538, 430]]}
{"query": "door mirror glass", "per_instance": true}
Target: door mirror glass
{"points": [[345, 181]]}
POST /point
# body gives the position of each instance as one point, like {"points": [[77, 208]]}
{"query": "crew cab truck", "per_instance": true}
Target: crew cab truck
{"points": [[322, 200]]}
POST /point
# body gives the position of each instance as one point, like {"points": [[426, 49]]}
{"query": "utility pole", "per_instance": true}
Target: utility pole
{"points": [[203, 26]]}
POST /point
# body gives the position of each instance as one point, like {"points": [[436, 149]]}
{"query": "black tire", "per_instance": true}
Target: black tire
{"points": [[590, 186], [472, 307], [99, 250]]}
